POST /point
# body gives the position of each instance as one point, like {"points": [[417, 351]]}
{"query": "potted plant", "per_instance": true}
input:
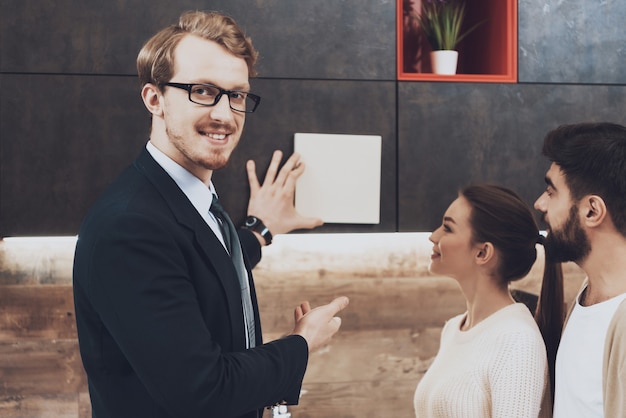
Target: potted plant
{"points": [[442, 21]]}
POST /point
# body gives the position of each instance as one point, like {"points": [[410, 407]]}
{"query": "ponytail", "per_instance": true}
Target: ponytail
{"points": [[550, 313]]}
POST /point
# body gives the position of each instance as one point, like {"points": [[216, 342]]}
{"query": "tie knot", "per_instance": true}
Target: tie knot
{"points": [[216, 207]]}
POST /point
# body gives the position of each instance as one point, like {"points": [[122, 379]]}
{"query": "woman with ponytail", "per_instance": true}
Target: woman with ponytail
{"points": [[492, 359]]}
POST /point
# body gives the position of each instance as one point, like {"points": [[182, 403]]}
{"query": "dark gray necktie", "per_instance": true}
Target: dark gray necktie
{"points": [[231, 239]]}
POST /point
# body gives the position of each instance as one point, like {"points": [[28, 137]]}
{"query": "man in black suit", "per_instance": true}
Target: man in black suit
{"points": [[166, 310]]}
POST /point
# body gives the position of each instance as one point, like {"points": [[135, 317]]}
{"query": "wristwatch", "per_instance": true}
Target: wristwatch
{"points": [[255, 224]]}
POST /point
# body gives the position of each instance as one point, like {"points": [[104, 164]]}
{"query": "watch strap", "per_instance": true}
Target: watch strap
{"points": [[255, 224]]}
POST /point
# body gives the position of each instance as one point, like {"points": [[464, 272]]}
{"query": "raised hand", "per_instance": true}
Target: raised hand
{"points": [[273, 202]]}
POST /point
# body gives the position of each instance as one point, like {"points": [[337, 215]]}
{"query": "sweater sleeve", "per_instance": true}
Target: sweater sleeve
{"points": [[614, 373], [519, 375]]}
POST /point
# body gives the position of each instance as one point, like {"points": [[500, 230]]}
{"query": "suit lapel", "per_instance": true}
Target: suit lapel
{"points": [[212, 249]]}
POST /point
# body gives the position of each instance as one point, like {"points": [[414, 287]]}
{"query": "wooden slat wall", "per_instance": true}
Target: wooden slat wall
{"points": [[41, 373], [390, 331]]}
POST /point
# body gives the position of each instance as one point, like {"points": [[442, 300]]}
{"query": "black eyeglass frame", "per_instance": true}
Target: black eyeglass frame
{"points": [[188, 87]]}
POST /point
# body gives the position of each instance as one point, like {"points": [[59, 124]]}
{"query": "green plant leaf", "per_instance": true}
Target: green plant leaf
{"points": [[442, 21]]}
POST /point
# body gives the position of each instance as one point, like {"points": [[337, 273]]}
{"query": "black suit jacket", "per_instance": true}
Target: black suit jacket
{"points": [[159, 311]]}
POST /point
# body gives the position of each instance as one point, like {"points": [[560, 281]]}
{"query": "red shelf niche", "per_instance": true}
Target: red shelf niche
{"points": [[488, 54]]}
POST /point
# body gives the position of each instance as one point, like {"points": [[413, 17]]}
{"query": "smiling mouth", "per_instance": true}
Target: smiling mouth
{"points": [[214, 136]]}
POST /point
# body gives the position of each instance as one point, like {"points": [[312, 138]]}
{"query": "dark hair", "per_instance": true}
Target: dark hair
{"points": [[155, 62], [592, 156], [550, 312], [498, 215]]}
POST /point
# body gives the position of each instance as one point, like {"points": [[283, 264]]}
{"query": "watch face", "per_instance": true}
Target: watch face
{"points": [[255, 224]]}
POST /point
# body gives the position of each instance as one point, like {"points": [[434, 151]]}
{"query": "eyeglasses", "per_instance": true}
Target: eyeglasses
{"points": [[210, 95]]}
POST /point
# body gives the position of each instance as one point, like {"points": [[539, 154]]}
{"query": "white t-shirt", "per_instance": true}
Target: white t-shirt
{"points": [[496, 369], [578, 376]]}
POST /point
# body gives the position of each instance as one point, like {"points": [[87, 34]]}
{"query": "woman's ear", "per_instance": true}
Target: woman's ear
{"points": [[486, 252], [594, 210], [151, 96]]}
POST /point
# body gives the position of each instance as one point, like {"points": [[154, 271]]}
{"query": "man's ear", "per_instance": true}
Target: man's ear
{"points": [[152, 96], [486, 252], [594, 210]]}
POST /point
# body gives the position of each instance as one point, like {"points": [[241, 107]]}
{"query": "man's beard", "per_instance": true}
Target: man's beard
{"points": [[215, 160], [570, 243]]}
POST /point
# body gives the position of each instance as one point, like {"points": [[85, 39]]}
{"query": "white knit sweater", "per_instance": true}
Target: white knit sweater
{"points": [[496, 369]]}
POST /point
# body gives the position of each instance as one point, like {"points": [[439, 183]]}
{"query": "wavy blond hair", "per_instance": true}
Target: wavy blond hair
{"points": [[155, 62]]}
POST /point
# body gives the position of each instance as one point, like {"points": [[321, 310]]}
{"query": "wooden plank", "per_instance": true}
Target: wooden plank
{"points": [[375, 303], [47, 311], [387, 363], [374, 356], [367, 374], [37, 311], [84, 405], [37, 406], [46, 406], [357, 400], [41, 367]]}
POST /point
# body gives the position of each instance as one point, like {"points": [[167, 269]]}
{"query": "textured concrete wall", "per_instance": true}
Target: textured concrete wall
{"points": [[71, 117]]}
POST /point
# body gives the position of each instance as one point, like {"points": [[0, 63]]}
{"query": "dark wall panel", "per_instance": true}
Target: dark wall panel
{"points": [[63, 139], [70, 36], [337, 107], [453, 134], [68, 125], [297, 39], [574, 41], [61, 153], [353, 39]]}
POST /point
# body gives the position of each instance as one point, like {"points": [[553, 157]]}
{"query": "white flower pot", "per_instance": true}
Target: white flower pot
{"points": [[444, 62]]}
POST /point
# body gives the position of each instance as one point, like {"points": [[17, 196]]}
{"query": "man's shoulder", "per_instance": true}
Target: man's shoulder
{"points": [[620, 314], [131, 193], [616, 333], [130, 187]]}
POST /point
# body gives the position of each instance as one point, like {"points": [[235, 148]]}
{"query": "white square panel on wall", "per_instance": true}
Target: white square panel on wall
{"points": [[341, 181]]}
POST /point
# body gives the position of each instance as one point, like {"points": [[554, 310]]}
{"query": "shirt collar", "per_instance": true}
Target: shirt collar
{"points": [[196, 191]]}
